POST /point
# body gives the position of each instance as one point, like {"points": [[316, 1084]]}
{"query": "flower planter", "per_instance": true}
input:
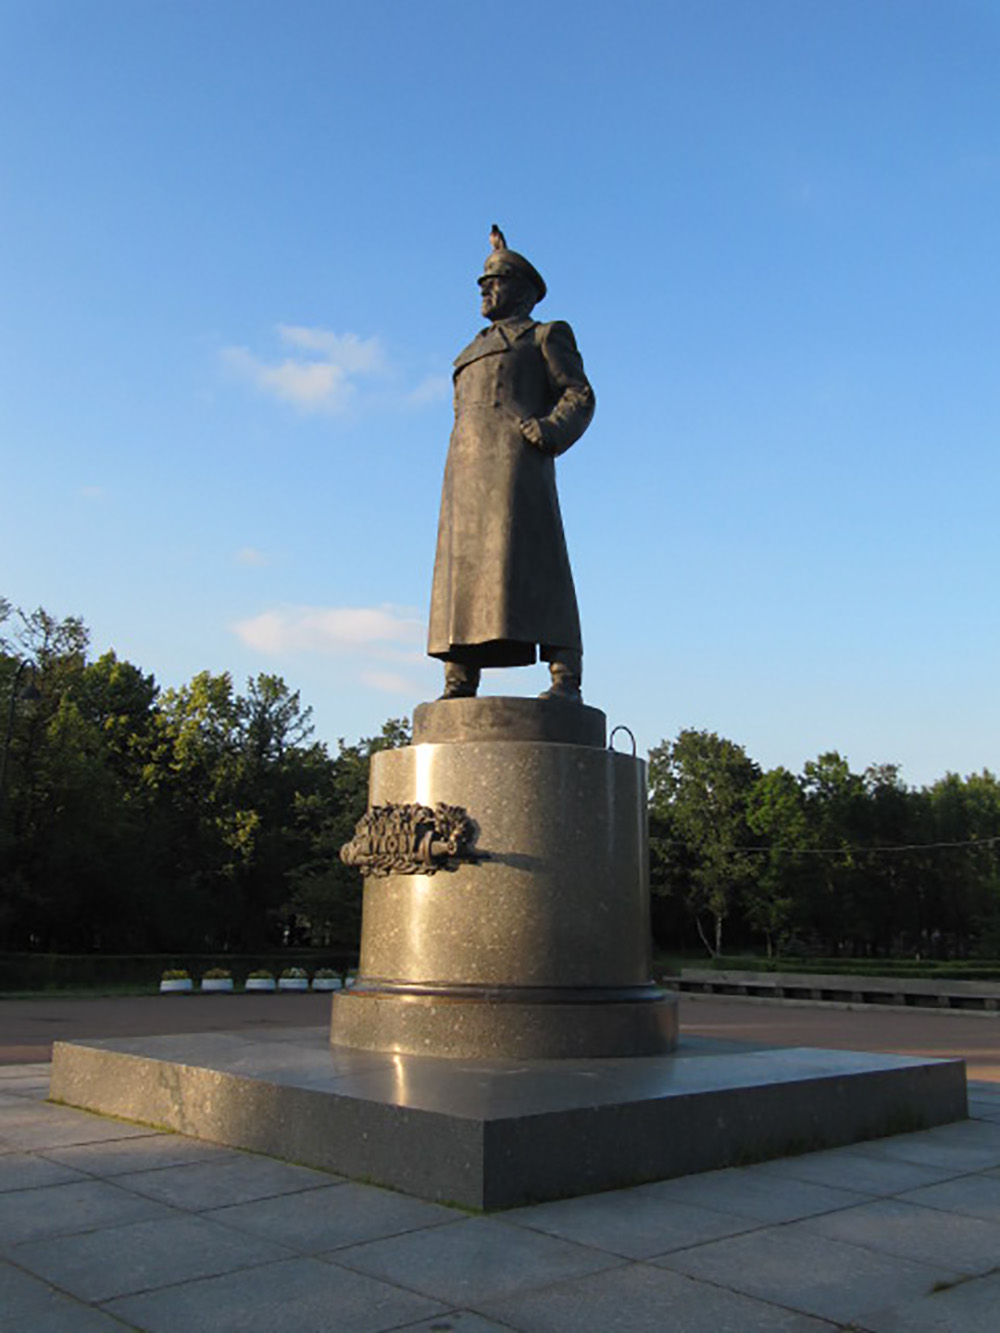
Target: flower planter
{"points": [[327, 983], [217, 983], [259, 983], [175, 985], [293, 983]]}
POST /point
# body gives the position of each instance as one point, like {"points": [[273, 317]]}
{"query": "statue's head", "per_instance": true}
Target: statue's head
{"points": [[510, 285]]}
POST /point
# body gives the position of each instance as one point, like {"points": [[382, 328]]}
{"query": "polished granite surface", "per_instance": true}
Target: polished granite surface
{"points": [[496, 1134], [495, 1089]]}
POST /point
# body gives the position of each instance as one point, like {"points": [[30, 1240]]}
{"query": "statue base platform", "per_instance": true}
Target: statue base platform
{"points": [[535, 946], [496, 1134]]}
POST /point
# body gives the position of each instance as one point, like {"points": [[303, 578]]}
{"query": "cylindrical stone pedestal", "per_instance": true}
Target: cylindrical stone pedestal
{"points": [[541, 948]]}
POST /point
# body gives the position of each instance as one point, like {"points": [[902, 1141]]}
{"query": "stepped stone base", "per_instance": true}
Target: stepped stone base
{"points": [[496, 1134]]}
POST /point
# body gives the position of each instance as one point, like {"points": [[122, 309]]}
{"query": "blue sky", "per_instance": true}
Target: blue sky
{"points": [[238, 249]]}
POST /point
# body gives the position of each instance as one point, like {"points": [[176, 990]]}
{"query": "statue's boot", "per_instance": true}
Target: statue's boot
{"points": [[566, 671], [461, 681]]}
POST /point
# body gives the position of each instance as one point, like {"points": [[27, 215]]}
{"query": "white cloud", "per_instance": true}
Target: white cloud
{"points": [[356, 356], [378, 631], [320, 380], [93, 492], [325, 372], [249, 555], [386, 641]]}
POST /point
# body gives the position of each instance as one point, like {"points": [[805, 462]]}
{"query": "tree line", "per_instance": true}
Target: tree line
{"points": [[135, 819], [828, 861]]}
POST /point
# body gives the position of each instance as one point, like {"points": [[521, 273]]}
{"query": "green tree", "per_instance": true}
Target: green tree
{"points": [[834, 802], [277, 768], [61, 820], [885, 905], [699, 791], [232, 769], [325, 896], [181, 820], [961, 899], [776, 815]]}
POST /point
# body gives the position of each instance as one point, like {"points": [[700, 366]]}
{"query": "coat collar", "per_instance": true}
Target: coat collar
{"points": [[497, 338], [512, 329]]}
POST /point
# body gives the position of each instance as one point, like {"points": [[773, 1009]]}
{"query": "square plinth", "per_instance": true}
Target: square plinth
{"points": [[497, 1134]]}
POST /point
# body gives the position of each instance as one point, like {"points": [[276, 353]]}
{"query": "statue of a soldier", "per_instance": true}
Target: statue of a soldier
{"points": [[502, 581]]}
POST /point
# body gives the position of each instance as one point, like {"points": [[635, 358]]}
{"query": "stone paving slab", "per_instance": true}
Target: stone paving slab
{"points": [[862, 1173], [818, 1276], [35, 1126], [233, 1178], [477, 1260], [956, 1152], [119, 1157], [120, 1260], [634, 1223], [750, 1192], [973, 1196], [638, 1299], [64, 1210], [32, 1306], [927, 1235], [25, 1171], [333, 1218], [10, 1101], [25, 1080], [295, 1296], [458, 1321], [968, 1307]]}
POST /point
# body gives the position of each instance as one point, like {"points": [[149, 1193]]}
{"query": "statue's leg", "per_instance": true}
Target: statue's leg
{"points": [[566, 670], [461, 680]]}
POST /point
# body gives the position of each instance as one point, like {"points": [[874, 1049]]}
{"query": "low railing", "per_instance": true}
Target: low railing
{"points": [[824, 988]]}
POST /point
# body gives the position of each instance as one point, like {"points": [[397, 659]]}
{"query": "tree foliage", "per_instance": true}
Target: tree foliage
{"points": [[699, 787], [829, 860], [193, 818]]}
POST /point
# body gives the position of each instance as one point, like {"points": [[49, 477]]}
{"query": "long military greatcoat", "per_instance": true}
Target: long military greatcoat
{"points": [[502, 579]]}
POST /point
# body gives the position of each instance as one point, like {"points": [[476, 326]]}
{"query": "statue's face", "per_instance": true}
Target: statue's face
{"points": [[504, 296], [497, 293]]}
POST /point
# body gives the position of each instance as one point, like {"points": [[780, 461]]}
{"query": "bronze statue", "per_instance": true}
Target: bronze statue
{"points": [[503, 587]]}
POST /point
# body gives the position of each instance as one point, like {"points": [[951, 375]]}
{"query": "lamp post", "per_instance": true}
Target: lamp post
{"points": [[29, 693]]}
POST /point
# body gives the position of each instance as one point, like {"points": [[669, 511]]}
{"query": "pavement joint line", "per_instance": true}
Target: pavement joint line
{"points": [[186, 1281], [9, 1258], [329, 1257], [329, 1249], [750, 1296]]}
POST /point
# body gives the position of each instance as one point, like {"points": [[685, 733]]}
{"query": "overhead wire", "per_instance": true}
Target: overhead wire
{"points": [[844, 850]]}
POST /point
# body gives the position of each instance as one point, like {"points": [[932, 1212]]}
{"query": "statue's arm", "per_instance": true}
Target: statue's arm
{"points": [[574, 405]]}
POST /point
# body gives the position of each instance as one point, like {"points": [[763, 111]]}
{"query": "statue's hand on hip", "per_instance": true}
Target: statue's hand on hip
{"points": [[531, 429]]}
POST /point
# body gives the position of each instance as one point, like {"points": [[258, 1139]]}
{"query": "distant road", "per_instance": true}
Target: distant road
{"points": [[974, 1037], [29, 1027]]}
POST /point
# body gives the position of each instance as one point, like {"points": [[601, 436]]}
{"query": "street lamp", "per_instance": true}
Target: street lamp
{"points": [[29, 692]]}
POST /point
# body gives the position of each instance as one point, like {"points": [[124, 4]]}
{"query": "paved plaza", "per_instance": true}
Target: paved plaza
{"points": [[106, 1225]]}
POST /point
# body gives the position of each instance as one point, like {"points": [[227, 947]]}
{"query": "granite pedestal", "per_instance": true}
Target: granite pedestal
{"points": [[490, 1134], [505, 1043], [538, 947]]}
